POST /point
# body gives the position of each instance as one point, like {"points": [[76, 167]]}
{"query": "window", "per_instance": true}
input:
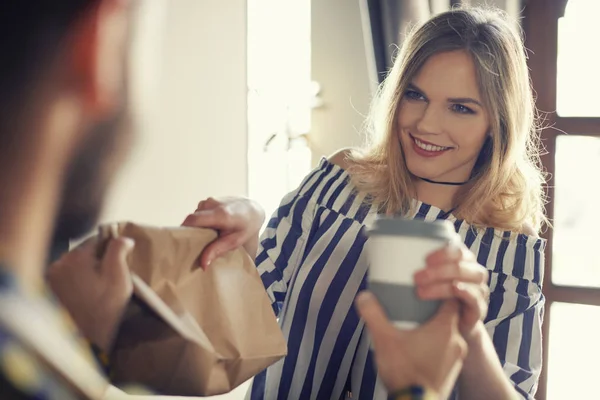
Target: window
{"points": [[575, 256], [280, 97], [564, 75], [572, 359], [577, 66]]}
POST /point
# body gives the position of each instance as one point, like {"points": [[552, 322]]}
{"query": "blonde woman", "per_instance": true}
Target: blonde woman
{"points": [[453, 137]]}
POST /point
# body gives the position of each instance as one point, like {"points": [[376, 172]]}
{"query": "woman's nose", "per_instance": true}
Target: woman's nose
{"points": [[430, 121]]}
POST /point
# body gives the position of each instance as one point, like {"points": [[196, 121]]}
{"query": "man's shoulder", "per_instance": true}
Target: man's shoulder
{"points": [[39, 350], [22, 375]]}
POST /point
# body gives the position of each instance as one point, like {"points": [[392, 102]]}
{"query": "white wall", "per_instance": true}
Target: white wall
{"points": [[339, 64], [189, 70], [193, 135], [193, 142]]}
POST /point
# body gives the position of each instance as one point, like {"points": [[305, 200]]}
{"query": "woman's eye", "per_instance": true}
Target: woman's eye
{"points": [[413, 95], [459, 108]]}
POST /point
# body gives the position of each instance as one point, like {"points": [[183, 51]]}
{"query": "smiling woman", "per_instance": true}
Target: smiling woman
{"points": [[441, 125], [468, 92], [453, 138]]}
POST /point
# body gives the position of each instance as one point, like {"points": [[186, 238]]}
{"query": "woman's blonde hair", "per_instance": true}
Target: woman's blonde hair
{"points": [[505, 190]]}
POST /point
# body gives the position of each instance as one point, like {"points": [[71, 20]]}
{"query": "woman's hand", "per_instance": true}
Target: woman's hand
{"points": [[453, 272], [238, 221]]}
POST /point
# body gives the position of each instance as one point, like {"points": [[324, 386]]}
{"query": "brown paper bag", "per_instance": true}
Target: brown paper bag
{"points": [[187, 331]]}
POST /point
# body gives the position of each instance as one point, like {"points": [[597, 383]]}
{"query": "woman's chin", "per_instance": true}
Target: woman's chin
{"points": [[420, 173]]}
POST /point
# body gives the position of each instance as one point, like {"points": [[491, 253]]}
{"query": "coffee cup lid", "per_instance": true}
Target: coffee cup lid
{"points": [[396, 226]]}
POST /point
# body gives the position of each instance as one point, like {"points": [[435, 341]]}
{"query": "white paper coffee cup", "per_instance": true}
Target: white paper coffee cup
{"points": [[397, 248]]}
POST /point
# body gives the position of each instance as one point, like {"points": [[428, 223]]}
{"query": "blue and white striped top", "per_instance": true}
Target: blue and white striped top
{"points": [[312, 264]]}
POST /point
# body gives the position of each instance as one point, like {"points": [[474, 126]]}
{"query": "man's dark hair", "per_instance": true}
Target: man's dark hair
{"points": [[31, 34]]}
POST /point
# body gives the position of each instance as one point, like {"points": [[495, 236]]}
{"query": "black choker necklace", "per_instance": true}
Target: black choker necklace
{"points": [[443, 183]]}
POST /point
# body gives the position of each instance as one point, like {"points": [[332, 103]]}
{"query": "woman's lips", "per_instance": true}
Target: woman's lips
{"points": [[426, 149]]}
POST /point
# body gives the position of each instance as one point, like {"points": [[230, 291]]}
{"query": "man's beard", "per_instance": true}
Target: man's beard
{"points": [[90, 175]]}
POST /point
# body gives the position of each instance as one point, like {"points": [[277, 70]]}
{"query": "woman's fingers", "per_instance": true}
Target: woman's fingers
{"points": [[475, 303], [465, 271], [471, 295], [437, 291], [218, 247], [450, 253]]}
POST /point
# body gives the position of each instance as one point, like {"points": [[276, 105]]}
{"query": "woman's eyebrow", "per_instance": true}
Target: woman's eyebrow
{"points": [[470, 100], [465, 100]]}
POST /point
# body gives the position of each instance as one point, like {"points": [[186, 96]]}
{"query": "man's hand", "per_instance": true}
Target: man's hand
{"points": [[95, 292], [238, 221], [430, 355]]}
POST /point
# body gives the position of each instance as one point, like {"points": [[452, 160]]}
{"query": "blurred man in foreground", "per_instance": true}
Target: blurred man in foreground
{"points": [[63, 134]]}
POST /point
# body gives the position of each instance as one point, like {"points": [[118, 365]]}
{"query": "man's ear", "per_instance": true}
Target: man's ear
{"points": [[99, 46]]}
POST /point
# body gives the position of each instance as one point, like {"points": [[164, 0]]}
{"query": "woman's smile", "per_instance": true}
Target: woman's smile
{"points": [[427, 149]]}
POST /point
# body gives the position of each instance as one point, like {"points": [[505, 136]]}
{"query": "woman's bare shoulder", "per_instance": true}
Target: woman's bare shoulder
{"points": [[528, 230], [340, 157]]}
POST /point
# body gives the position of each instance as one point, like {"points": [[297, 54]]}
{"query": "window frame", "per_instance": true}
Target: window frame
{"points": [[542, 61]]}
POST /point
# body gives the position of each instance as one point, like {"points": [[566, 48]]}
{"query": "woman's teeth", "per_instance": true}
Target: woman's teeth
{"points": [[429, 147]]}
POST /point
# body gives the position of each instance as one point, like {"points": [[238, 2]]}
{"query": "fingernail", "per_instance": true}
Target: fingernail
{"points": [[363, 297], [459, 286], [454, 251], [129, 243]]}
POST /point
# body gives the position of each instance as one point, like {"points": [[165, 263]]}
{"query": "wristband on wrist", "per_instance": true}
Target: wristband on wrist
{"points": [[414, 392], [102, 358]]}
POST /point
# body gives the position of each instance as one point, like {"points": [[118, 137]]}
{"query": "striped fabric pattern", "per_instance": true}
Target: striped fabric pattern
{"points": [[312, 264]]}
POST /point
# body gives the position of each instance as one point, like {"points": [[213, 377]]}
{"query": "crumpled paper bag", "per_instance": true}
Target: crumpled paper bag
{"points": [[187, 331]]}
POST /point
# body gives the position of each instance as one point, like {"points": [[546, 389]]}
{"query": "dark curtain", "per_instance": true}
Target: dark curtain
{"points": [[387, 21]]}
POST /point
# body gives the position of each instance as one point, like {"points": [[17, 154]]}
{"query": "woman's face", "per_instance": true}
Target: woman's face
{"points": [[442, 123]]}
